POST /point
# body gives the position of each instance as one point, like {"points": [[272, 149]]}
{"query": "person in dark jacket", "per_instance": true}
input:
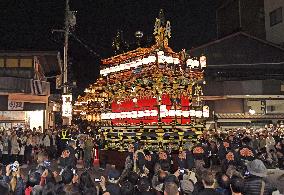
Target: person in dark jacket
{"points": [[236, 185], [208, 183], [185, 160], [144, 187], [65, 160], [223, 182], [112, 186], [72, 150], [256, 180]]}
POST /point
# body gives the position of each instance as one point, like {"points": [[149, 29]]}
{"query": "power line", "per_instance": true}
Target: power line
{"points": [[86, 46]]}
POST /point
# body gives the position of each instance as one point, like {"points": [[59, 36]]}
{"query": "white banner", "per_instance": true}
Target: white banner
{"points": [[67, 105], [13, 105]]}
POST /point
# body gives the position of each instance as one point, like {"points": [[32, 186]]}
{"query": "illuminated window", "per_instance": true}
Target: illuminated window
{"points": [[1, 62], [12, 63], [26, 63], [275, 16]]}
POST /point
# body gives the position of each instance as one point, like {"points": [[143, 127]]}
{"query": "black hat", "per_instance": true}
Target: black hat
{"points": [[113, 175]]}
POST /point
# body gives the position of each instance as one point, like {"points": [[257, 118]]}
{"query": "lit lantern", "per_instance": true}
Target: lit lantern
{"points": [[154, 113], [185, 113], [202, 61], [160, 53], [134, 114], [192, 113], [161, 59], [198, 113], [170, 60], [172, 112], [152, 59], [141, 114], [176, 60], [147, 113], [139, 62], [178, 112], [145, 61], [206, 111]]}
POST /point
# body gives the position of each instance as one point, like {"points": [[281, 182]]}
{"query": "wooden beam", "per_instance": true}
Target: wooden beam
{"points": [[28, 98]]}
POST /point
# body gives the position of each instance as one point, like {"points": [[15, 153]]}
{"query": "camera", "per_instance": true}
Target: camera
{"points": [[46, 163], [247, 173], [74, 171], [14, 167], [181, 171], [97, 180]]}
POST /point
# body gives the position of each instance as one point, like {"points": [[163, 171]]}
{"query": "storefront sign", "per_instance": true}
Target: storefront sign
{"points": [[13, 105], [67, 105]]}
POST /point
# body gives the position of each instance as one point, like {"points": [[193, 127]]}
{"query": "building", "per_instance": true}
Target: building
{"points": [[274, 24], [262, 19], [244, 80], [24, 88], [240, 15], [245, 64]]}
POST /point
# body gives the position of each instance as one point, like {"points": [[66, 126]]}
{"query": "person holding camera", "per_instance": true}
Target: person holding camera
{"points": [[14, 179]]}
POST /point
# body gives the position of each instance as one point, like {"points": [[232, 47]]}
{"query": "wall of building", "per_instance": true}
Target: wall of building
{"points": [[274, 34], [227, 17], [268, 106], [229, 106], [253, 18], [274, 106], [240, 15]]}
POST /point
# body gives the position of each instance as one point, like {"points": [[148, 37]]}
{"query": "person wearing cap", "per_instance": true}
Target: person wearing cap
{"points": [[112, 185], [256, 182]]}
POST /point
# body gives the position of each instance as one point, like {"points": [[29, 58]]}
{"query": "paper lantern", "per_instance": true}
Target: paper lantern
{"points": [[202, 61]]}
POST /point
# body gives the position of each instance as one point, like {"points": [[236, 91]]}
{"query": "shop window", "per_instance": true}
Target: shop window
{"points": [[275, 16], [12, 62], [1, 62], [26, 63]]}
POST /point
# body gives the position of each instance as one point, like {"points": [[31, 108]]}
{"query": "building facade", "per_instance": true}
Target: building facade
{"points": [[262, 19], [240, 15], [274, 24], [244, 80], [24, 88]]}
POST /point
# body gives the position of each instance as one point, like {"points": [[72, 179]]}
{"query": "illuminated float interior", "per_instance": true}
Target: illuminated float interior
{"points": [[153, 95]]}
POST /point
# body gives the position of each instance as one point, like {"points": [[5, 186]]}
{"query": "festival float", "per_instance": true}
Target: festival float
{"points": [[152, 95]]}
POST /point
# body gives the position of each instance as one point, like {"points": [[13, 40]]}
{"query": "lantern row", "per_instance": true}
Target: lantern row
{"points": [[163, 113], [191, 63]]}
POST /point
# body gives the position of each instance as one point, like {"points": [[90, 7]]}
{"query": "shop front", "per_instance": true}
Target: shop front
{"points": [[20, 111], [21, 119]]}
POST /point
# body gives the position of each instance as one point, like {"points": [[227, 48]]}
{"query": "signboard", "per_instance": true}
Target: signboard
{"points": [[13, 105], [67, 105]]}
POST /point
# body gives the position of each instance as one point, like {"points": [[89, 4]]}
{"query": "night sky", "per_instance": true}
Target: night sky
{"points": [[27, 25]]}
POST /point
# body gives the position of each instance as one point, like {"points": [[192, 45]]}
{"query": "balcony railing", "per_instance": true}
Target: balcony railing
{"points": [[22, 85], [17, 72]]}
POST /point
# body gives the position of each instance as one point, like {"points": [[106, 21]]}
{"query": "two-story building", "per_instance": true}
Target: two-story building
{"points": [[244, 80], [24, 88]]}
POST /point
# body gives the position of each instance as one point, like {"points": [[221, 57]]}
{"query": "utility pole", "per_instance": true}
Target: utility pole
{"points": [[70, 21], [66, 39]]}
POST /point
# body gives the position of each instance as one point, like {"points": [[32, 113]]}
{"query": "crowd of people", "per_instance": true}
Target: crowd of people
{"points": [[239, 161]]}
